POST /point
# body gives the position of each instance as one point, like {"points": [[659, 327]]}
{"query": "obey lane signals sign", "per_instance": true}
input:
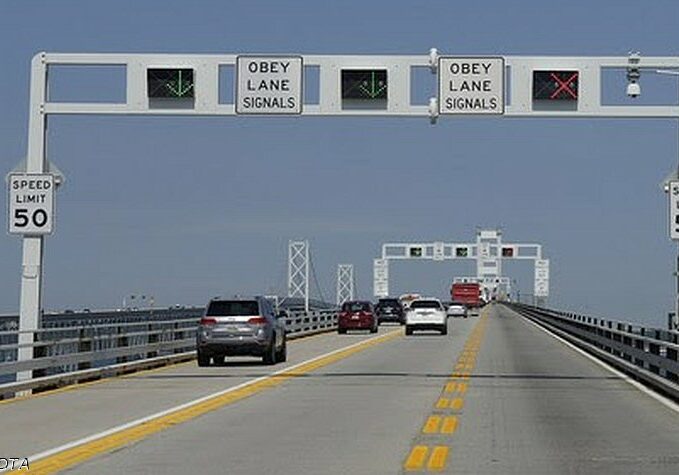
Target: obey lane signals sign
{"points": [[269, 84], [469, 85], [31, 204]]}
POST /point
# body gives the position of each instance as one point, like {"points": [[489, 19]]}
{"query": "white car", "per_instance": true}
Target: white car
{"points": [[426, 314], [457, 310]]}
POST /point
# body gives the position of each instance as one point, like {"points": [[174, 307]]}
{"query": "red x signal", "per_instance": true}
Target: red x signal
{"points": [[564, 85]]}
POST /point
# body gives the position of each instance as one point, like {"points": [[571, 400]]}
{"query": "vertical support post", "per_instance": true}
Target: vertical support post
{"points": [[298, 271], [30, 301], [345, 283]]}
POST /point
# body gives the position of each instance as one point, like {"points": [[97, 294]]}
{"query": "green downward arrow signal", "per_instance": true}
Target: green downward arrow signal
{"points": [[372, 88], [179, 88]]}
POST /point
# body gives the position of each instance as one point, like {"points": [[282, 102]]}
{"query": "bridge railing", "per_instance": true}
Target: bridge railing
{"points": [[66, 353], [647, 354]]}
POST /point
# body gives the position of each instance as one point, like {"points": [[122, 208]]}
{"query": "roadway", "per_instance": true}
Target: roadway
{"points": [[497, 395]]}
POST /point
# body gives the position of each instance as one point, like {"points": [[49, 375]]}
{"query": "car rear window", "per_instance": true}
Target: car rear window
{"points": [[425, 304], [356, 307], [232, 308], [391, 303]]}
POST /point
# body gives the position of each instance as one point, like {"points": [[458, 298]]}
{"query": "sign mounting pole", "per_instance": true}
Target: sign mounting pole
{"points": [[31, 262]]}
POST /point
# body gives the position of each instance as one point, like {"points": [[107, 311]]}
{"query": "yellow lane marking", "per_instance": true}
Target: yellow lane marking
{"points": [[449, 425], [415, 460], [462, 388], [432, 425], [132, 374], [451, 387], [442, 403], [456, 403], [438, 458], [149, 426]]}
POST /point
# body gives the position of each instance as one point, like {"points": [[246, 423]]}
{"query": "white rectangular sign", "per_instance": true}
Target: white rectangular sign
{"points": [[269, 85], [541, 287], [674, 210], [469, 85], [31, 204], [380, 277]]}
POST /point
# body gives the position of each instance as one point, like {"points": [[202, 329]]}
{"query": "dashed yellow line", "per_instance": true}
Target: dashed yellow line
{"points": [[442, 403], [449, 425], [437, 460], [432, 425], [415, 460], [451, 399], [456, 403]]}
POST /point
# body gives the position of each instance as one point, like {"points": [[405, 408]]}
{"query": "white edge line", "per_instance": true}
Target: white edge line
{"points": [[641, 387], [113, 430]]}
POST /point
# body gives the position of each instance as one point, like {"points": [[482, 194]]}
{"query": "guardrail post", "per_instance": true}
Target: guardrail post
{"points": [[152, 338], [122, 342], [654, 349], [39, 351], [84, 346]]}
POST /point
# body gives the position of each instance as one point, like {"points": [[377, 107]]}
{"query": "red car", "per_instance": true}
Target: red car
{"points": [[357, 315]]}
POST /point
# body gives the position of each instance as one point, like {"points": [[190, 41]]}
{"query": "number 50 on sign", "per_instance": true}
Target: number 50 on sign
{"points": [[31, 204]]}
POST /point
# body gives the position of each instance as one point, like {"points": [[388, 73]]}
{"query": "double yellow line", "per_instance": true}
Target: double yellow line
{"points": [[78, 452], [441, 425]]}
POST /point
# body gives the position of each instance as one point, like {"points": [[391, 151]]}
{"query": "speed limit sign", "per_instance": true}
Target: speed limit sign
{"points": [[31, 203]]}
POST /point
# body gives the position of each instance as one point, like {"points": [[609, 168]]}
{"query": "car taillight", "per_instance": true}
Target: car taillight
{"points": [[208, 321], [257, 321]]}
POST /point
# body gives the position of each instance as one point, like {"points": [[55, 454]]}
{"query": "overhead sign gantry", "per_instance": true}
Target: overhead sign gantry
{"points": [[489, 251], [349, 85]]}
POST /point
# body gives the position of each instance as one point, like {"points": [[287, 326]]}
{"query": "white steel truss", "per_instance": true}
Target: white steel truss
{"points": [[298, 271], [345, 283]]}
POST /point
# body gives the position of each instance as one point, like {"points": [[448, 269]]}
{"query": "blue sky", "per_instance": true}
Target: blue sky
{"points": [[184, 209]]}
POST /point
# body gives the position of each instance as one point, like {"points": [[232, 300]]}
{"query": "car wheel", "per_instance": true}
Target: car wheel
{"points": [[269, 357], [444, 330], [203, 359], [283, 353], [373, 329], [341, 331], [409, 331], [219, 360]]}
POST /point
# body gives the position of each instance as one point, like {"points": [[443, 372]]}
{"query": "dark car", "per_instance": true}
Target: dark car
{"points": [[357, 315], [241, 327], [390, 310]]}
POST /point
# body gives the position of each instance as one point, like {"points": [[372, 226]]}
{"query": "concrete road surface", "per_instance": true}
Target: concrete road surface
{"points": [[496, 395]]}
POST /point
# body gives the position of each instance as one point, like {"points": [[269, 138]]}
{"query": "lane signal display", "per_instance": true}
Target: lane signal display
{"points": [[167, 83], [555, 85], [364, 84], [507, 252], [461, 252], [415, 252]]}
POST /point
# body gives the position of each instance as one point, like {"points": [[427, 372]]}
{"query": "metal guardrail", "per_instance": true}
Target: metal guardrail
{"points": [[119, 343], [647, 354]]}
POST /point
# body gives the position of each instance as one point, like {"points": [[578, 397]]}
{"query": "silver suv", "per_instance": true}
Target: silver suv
{"points": [[241, 327]]}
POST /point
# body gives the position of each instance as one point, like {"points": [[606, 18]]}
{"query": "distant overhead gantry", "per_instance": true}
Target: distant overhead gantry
{"points": [[488, 251]]}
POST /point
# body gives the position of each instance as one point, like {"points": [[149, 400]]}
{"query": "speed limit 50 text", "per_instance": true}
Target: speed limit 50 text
{"points": [[31, 204]]}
